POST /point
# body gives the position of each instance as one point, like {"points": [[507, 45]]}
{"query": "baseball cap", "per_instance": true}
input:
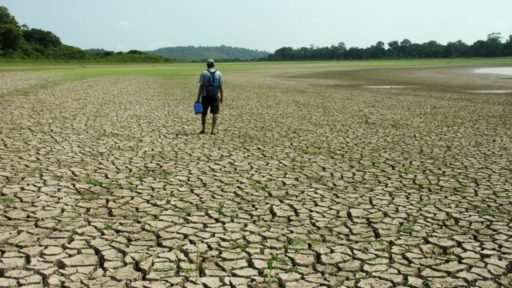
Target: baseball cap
{"points": [[210, 62]]}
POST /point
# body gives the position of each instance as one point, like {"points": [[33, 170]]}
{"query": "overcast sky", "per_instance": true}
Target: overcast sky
{"points": [[261, 24]]}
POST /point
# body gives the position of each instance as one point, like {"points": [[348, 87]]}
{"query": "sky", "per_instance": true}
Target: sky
{"points": [[122, 25]]}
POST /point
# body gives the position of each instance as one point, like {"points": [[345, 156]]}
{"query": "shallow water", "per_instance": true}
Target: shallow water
{"points": [[490, 91], [386, 87], [500, 70]]}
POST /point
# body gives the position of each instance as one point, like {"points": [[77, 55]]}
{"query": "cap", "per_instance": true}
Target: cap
{"points": [[210, 63]]}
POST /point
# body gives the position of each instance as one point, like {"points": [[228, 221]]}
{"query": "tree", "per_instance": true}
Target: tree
{"points": [[377, 51], [404, 48], [456, 49], [493, 45], [394, 49], [10, 37], [6, 18], [431, 49], [40, 37], [507, 47], [285, 53]]}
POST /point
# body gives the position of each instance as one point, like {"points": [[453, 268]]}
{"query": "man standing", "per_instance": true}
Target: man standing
{"points": [[210, 86]]}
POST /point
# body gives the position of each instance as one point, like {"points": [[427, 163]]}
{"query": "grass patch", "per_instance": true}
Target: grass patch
{"points": [[423, 204], [92, 181], [258, 186], [311, 150], [410, 227], [164, 174], [7, 201], [242, 246]]}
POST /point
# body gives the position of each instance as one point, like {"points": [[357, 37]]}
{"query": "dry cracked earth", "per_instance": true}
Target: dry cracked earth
{"points": [[313, 181]]}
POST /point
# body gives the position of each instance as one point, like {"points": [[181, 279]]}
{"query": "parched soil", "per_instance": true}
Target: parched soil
{"points": [[312, 181]]}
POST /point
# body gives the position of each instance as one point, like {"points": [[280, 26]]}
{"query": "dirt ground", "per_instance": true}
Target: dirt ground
{"points": [[314, 180]]}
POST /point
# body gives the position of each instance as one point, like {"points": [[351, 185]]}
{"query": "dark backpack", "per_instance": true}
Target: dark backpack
{"points": [[213, 85]]}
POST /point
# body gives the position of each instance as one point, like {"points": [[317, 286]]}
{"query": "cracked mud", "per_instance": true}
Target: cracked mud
{"points": [[105, 183]]}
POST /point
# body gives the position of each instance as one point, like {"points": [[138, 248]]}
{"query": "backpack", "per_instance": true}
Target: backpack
{"points": [[213, 85]]}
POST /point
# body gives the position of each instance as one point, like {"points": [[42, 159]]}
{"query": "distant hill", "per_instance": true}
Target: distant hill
{"points": [[192, 53]]}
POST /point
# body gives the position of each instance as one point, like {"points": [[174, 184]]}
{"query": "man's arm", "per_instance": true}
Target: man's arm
{"points": [[221, 94], [200, 92]]}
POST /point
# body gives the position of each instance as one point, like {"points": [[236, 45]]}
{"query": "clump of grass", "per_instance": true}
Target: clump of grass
{"points": [[410, 227], [292, 242], [92, 181], [258, 186], [311, 150], [7, 201], [423, 204], [108, 226], [274, 259], [242, 246], [164, 174], [164, 269]]}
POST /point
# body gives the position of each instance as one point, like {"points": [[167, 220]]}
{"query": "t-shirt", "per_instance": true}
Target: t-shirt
{"points": [[204, 78]]}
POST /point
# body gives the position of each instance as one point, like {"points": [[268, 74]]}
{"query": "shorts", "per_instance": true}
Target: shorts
{"points": [[211, 103]]}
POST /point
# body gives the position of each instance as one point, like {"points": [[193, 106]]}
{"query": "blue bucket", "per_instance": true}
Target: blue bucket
{"points": [[198, 108]]}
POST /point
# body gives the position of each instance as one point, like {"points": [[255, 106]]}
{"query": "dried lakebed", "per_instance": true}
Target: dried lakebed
{"points": [[105, 183]]}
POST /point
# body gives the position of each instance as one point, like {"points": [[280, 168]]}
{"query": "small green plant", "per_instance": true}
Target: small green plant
{"points": [[108, 226], [141, 177], [423, 204], [332, 223], [258, 187], [131, 187], [219, 209], [34, 171], [293, 242], [7, 201], [110, 185], [406, 170], [242, 246], [279, 197], [164, 269], [274, 259], [311, 150], [201, 208], [55, 177], [450, 258], [87, 195], [410, 227], [500, 194], [92, 181], [164, 174], [315, 241]]}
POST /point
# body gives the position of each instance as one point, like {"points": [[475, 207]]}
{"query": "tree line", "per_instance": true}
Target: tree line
{"points": [[192, 53], [21, 42], [493, 46]]}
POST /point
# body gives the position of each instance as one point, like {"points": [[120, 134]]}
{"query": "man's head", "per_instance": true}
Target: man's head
{"points": [[210, 63]]}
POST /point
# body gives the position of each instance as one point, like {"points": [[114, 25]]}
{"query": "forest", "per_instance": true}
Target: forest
{"points": [[20, 42], [493, 46]]}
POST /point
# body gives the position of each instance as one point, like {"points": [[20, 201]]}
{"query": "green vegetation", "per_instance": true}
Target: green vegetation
{"points": [[191, 53], [258, 186], [491, 47], [7, 201], [311, 150], [25, 43], [411, 226], [22, 42]]}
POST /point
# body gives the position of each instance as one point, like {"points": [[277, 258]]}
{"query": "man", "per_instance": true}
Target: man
{"points": [[210, 86]]}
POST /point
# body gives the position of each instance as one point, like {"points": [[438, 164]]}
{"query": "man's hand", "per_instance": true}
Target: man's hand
{"points": [[221, 99]]}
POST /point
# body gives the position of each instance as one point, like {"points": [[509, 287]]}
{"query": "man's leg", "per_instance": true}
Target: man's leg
{"points": [[214, 122], [203, 123]]}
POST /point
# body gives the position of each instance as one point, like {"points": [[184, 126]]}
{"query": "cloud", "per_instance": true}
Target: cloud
{"points": [[122, 24]]}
